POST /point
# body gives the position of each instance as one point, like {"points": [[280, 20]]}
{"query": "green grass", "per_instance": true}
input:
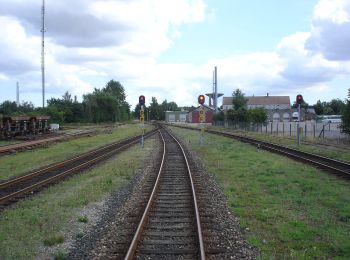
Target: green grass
{"points": [[42, 220], [290, 209], [14, 165], [83, 219]]}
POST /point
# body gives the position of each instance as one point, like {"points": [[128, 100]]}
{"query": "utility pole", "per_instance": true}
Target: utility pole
{"points": [[43, 50]]}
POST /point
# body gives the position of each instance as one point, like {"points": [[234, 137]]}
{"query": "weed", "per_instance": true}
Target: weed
{"points": [[60, 255], [83, 219], [54, 240]]}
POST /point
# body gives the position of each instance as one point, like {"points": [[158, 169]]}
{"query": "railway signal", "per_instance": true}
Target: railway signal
{"points": [[142, 118], [299, 99], [142, 100], [201, 99]]}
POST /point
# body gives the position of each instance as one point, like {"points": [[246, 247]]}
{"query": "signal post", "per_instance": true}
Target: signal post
{"points": [[201, 100], [142, 118], [299, 100]]}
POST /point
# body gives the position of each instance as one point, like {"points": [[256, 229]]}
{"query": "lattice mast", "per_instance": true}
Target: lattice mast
{"points": [[43, 50]]}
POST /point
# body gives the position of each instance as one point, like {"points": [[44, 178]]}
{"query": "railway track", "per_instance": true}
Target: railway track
{"points": [[14, 189], [170, 225], [333, 166], [42, 140]]}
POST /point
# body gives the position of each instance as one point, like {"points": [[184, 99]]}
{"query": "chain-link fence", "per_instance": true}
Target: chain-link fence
{"points": [[308, 130]]}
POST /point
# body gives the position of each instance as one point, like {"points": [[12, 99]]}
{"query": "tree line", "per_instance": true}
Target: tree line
{"points": [[240, 113], [102, 105]]}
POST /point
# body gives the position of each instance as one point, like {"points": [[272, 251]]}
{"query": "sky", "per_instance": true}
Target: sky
{"points": [[168, 49]]}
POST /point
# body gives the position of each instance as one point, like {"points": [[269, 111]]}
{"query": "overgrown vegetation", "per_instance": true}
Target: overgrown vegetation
{"points": [[345, 125], [107, 104], [289, 210]]}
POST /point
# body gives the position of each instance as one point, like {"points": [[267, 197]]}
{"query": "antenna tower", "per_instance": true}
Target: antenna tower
{"points": [[17, 94], [43, 50]]}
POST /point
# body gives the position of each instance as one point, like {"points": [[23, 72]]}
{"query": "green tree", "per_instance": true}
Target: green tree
{"points": [[8, 107], [107, 104], [319, 107], [257, 115], [345, 125], [337, 106], [154, 109], [238, 99]]}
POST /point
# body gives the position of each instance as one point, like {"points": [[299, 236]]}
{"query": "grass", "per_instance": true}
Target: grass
{"points": [[290, 209], [83, 219], [42, 220], [14, 165]]}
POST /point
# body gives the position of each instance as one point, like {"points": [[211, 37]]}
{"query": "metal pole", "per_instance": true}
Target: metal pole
{"points": [[142, 125], [17, 94], [43, 50], [298, 130], [216, 91]]}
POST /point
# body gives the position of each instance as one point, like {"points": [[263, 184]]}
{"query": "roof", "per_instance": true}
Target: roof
{"points": [[261, 100], [204, 106]]}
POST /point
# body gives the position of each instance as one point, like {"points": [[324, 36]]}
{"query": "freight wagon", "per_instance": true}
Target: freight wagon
{"points": [[11, 126]]}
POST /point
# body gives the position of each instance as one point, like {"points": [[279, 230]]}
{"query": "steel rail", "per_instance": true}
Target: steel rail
{"points": [[65, 173], [337, 166], [12, 182], [198, 222], [133, 246]]}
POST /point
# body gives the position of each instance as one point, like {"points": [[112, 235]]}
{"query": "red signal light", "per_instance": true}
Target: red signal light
{"points": [[299, 99], [201, 99], [142, 100]]}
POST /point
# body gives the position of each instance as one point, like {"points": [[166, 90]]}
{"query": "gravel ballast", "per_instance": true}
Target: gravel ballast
{"points": [[111, 234]]}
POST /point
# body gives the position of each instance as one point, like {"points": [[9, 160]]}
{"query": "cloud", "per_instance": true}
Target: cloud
{"points": [[330, 34], [93, 41], [89, 39], [17, 49]]}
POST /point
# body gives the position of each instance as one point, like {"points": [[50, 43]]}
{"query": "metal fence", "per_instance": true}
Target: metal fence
{"points": [[308, 130]]}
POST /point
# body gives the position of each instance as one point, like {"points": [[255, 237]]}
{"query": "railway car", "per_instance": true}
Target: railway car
{"points": [[12, 126]]}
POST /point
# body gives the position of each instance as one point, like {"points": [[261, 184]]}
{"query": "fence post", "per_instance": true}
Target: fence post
{"points": [[271, 127], [323, 131], [290, 129], [314, 131], [283, 129], [277, 127], [305, 131]]}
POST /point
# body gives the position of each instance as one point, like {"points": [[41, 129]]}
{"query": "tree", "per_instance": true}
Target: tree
{"points": [[319, 108], [154, 109], [337, 106], [257, 115], [107, 104], [239, 101], [334, 107], [345, 125], [8, 107]]}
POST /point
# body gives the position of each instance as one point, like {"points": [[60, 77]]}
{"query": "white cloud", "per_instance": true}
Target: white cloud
{"points": [[330, 34], [332, 10]]}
